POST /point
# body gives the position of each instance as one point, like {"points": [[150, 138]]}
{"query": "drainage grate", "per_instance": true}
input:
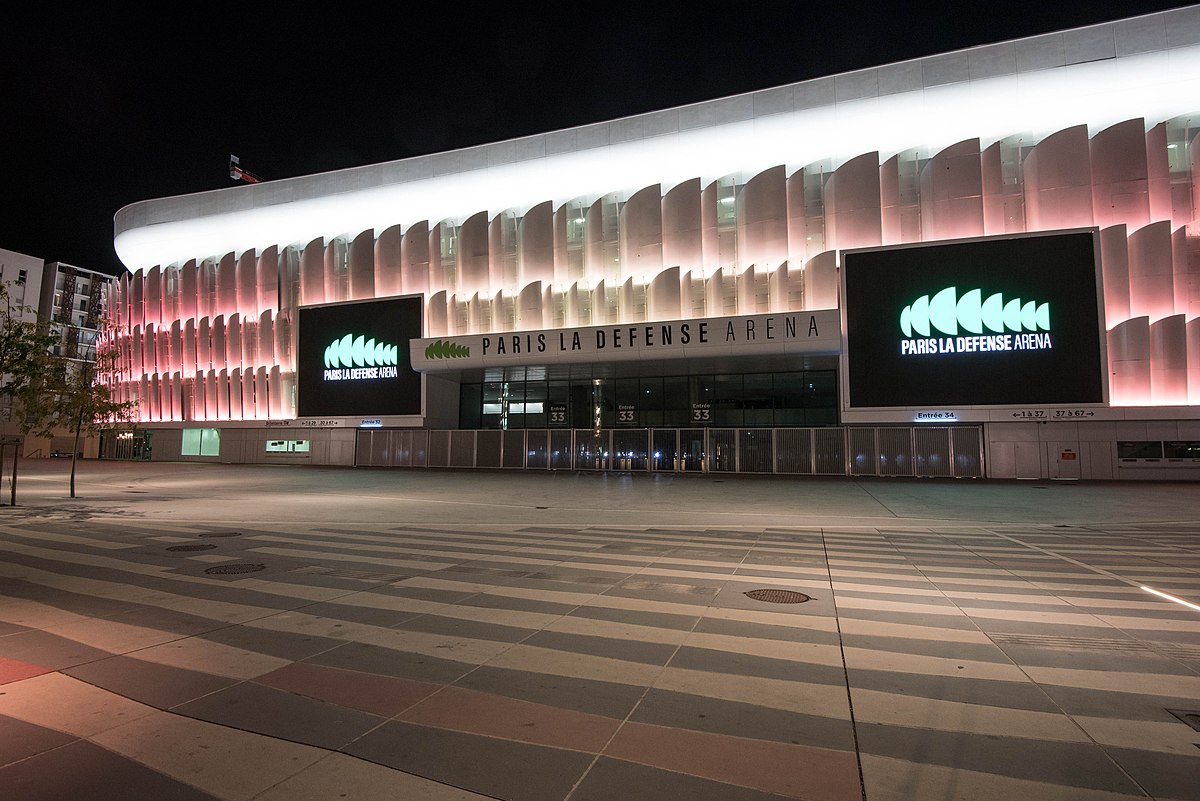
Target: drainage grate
{"points": [[233, 570], [204, 546], [1190, 718], [220, 534], [778, 596]]}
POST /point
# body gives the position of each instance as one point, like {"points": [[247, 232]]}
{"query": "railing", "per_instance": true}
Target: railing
{"points": [[943, 451]]}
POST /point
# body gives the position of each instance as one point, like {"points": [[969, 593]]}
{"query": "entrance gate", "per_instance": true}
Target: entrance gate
{"points": [[943, 451]]}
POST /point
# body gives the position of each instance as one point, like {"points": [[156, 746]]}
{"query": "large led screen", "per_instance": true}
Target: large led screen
{"points": [[986, 322], [353, 359]]}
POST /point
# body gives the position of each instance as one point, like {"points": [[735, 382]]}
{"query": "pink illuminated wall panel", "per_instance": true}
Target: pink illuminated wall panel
{"points": [[1058, 181], [952, 193], [247, 283], [529, 303], [414, 258], [1114, 267], [1129, 362], [473, 272], [1193, 360], [682, 246], [266, 280], [821, 281], [389, 277], [763, 220], [362, 266], [1168, 361], [1185, 279], [312, 273], [535, 244], [665, 296], [1151, 284], [1120, 181], [852, 205], [641, 226]]}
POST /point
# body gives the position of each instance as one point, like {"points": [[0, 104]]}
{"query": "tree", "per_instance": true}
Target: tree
{"points": [[71, 397], [24, 350]]}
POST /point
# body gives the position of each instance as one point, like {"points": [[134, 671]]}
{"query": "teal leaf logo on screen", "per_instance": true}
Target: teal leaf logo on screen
{"points": [[946, 322], [354, 357]]}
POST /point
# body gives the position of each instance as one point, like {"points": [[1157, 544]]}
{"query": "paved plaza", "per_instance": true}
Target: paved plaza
{"points": [[199, 631]]}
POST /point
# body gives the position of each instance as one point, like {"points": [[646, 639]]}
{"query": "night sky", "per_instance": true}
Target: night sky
{"points": [[103, 109]]}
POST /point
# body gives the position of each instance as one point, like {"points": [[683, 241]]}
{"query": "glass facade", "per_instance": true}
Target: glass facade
{"points": [[797, 398]]}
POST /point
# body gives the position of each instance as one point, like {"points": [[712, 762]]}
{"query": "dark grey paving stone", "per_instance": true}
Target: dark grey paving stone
{"points": [[700, 713], [180, 623], [1005, 694], [1130, 661], [11, 628], [276, 713], [563, 575], [1175, 776], [456, 627], [159, 686], [981, 652], [1082, 765], [80, 604], [955, 620], [740, 628], [389, 662], [437, 596], [661, 620], [1000, 626], [580, 695], [617, 780], [650, 653], [81, 771], [496, 601], [20, 740], [369, 615], [487, 765], [283, 644], [48, 650], [691, 658], [1125, 706]]}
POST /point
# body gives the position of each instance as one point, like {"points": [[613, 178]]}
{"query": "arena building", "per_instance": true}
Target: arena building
{"points": [[979, 263]]}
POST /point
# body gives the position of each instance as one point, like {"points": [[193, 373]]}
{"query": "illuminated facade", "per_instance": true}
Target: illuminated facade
{"points": [[731, 211]]}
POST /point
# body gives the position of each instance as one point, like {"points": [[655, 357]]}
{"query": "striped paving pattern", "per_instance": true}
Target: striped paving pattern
{"points": [[591, 663]]}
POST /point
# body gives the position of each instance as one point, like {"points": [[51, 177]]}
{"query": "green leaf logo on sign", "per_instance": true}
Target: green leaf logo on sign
{"points": [[352, 351], [951, 315], [447, 350]]}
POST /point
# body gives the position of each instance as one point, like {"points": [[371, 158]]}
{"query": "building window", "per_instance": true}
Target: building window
{"points": [[288, 446], [201, 442], [21, 274]]}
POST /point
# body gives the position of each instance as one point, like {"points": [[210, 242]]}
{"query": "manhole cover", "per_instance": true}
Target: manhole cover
{"points": [[232, 570], [204, 546], [220, 534], [778, 596]]}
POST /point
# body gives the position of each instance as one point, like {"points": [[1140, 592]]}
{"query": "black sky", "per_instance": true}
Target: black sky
{"points": [[100, 109]]}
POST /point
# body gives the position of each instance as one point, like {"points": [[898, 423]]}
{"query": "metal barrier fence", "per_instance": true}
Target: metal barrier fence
{"points": [[942, 451]]}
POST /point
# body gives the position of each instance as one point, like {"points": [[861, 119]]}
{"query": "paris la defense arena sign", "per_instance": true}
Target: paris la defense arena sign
{"points": [[786, 332], [353, 359], [978, 324]]}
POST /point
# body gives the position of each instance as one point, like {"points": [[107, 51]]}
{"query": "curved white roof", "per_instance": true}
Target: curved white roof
{"points": [[1147, 67]]}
